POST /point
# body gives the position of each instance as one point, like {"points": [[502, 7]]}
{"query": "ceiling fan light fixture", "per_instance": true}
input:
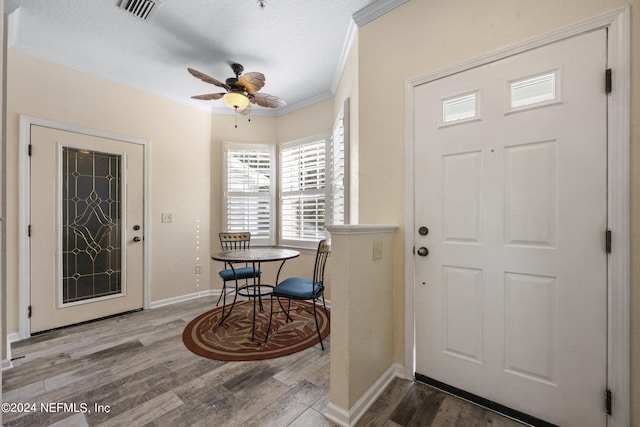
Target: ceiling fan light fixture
{"points": [[236, 101]]}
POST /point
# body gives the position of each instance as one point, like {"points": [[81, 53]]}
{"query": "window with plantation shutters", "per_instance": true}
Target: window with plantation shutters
{"points": [[249, 191], [338, 200], [303, 192]]}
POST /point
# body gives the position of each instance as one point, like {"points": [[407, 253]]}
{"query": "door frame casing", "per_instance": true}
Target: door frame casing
{"points": [[618, 204], [24, 208]]}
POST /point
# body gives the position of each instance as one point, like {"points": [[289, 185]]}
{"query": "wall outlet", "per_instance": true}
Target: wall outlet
{"points": [[167, 217], [377, 250], [198, 269]]}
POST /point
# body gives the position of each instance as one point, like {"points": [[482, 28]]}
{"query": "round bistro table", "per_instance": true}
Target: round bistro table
{"points": [[255, 290]]}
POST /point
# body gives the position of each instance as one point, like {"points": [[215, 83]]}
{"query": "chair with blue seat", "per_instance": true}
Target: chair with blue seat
{"points": [[230, 241], [304, 289]]}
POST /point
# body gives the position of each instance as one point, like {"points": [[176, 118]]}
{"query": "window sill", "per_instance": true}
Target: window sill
{"points": [[302, 250]]}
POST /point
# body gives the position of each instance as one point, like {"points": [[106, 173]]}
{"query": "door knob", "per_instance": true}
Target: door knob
{"points": [[423, 251], [137, 239]]}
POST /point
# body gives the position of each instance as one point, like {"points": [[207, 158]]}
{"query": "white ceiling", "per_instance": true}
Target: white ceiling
{"points": [[299, 45]]}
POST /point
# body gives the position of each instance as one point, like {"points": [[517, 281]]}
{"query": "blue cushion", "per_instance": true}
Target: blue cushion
{"points": [[241, 273], [297, 287]]}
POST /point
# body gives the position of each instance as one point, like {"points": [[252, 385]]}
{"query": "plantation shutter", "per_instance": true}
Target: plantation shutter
{"points": [[249, 181], [303, 189], [337, 207]]}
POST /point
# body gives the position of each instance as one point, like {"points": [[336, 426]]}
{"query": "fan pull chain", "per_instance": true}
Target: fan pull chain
{"points": [[236, 118]]}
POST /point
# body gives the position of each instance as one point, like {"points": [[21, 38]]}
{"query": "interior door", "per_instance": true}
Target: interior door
{"points": [[511, 183], [86, 227]]}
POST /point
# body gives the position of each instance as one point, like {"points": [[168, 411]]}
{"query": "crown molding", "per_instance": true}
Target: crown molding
{"points": [[306, 103], [375, 10], [280, 111], [352, 32], [255, 112]]}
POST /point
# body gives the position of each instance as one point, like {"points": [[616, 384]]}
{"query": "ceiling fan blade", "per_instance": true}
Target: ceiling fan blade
{"points": [[207, 79], [253, 82], [266, 100], [209, 96]]}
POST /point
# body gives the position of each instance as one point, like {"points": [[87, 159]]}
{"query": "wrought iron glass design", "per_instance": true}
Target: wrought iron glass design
{"points": [[91, 224]]}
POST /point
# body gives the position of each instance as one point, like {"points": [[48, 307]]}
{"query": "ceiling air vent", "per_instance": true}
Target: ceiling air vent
{"points": [[143, 9]]}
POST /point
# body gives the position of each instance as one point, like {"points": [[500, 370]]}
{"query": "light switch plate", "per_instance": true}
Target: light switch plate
{"points": [[167, 217]]}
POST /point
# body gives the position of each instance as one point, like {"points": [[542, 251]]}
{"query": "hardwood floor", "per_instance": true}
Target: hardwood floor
{"points": [[133, 370]]}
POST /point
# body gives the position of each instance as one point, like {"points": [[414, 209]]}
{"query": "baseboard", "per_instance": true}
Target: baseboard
{"points": [[182, 298], [6, 364], [336, 414], [11, 338], [348, 418], [187, 297]]}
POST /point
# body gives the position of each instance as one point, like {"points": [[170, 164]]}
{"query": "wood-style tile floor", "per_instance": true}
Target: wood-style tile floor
{"points": [[133, 370]]}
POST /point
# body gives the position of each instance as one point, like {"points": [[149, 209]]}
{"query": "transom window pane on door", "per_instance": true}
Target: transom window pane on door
{"points": [[91, 225], [460, 108], [533, 90]]}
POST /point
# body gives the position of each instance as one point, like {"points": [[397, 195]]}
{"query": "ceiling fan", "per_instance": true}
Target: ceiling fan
{"points": [[241, 90]]}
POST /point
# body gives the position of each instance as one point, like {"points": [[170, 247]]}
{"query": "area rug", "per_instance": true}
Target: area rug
{"points": [[232, 340]]}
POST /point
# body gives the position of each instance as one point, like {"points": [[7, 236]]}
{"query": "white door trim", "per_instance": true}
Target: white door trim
{"points": [[24, 185], [618, 24]]}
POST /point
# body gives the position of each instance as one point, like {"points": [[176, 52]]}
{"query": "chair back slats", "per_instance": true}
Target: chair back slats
{"points": [[321, 262], [235, 241]]}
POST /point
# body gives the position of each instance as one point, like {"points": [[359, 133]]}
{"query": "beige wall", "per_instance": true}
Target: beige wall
{"points": [[315, 119], [179, 143], [361, 346], [185, 164], [422, 36]]}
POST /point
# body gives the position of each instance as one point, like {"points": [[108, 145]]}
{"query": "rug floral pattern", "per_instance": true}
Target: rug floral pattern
{"points": [[232, 340]]}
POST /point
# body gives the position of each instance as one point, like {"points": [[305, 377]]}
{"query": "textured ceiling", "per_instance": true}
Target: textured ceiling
{"points": [[298, 44]]}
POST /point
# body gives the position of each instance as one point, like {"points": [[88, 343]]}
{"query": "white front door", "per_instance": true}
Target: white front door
{"points": [[511, 183], [86, 227]]}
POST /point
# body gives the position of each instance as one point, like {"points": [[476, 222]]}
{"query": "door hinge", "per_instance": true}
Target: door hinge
{"points": [[607, 240], [608, 397], [30, 150], [608, 81], [29, 230], [29, 312]]}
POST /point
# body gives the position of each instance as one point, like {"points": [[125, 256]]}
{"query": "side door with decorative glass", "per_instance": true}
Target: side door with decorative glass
{"points": [[86, 244]]}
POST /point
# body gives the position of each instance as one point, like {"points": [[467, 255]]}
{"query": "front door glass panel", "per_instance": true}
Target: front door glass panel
{"points": [[91, 225]]}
